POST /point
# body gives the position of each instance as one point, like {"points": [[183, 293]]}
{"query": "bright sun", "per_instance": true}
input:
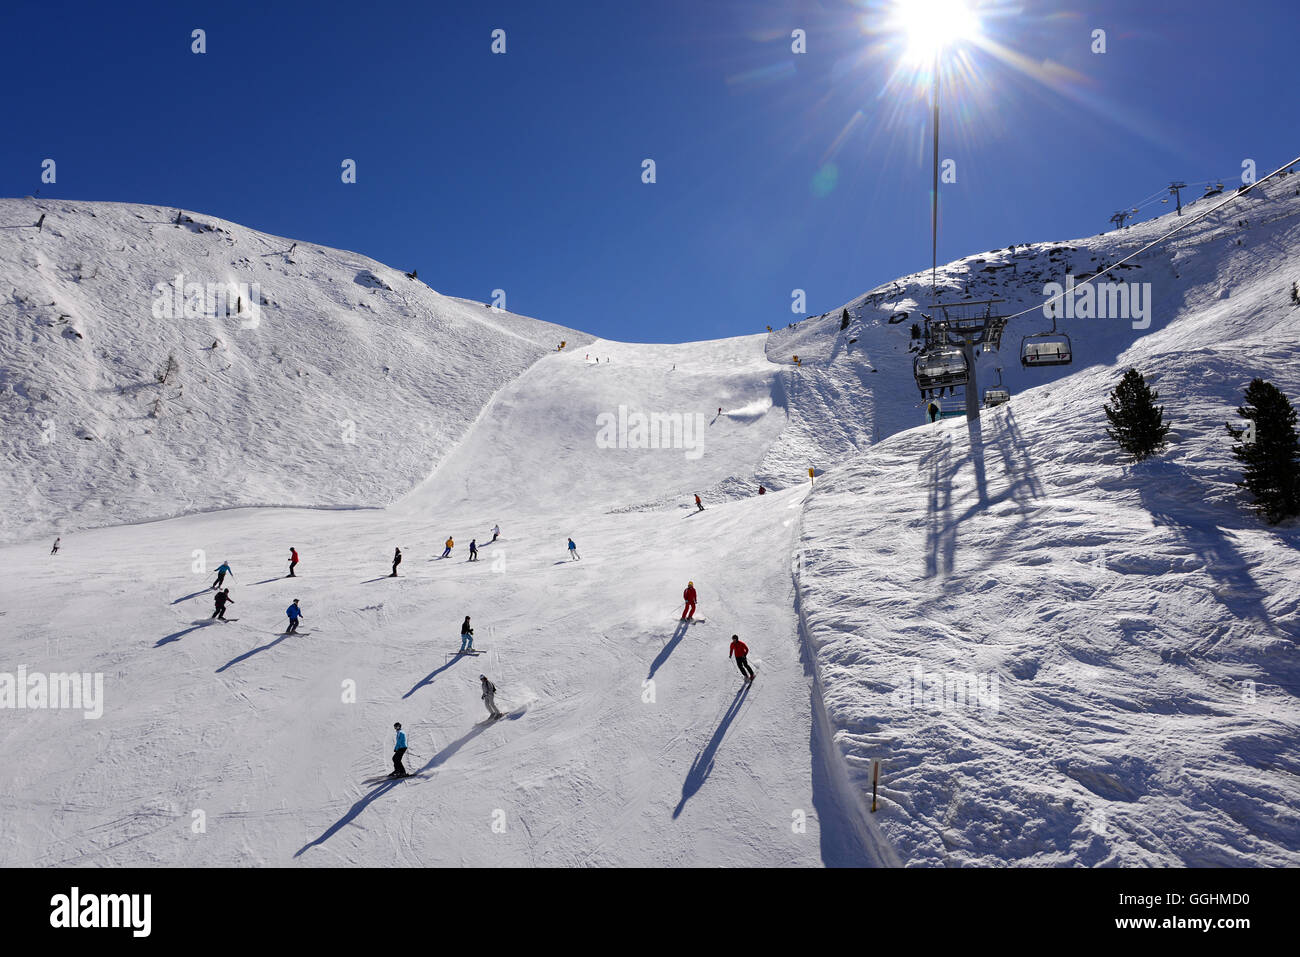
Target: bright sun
{"points": [[931, 26]]}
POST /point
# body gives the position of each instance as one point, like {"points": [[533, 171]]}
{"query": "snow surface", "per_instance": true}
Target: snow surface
{"points": [[355, 383], [1121, 608]]}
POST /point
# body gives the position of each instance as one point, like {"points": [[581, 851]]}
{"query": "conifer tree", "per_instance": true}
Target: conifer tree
{"points": [[1268, 449], [1138, 423]]}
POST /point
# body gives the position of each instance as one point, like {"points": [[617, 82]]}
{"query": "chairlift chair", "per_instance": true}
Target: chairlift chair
{"points": [[1046, 348], [940, 367], [997, 395]]}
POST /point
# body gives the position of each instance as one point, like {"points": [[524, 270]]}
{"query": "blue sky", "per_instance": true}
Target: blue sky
{"points": [[522, 171]]}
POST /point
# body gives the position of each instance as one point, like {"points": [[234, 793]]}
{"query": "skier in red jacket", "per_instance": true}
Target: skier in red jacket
{"points": [[741, 651], [293, 562], [688, 613]]}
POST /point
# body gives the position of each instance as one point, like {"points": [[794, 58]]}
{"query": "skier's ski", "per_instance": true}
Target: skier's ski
{"points": [[512, 715]]}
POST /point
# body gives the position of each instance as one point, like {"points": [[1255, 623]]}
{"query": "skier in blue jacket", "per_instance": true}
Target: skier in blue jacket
{"points": [[222, 571], [294, 613], [399, 749]]}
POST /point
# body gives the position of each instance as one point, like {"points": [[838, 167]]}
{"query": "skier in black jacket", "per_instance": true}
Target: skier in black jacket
{"points": [[222, 598]]}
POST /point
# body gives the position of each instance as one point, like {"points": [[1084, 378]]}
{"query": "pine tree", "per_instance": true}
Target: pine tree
{"points": [[844, 320], [1139, 424], [1268, 448]]}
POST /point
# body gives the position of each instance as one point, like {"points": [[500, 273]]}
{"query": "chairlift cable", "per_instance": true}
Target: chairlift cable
{"points": [[1156, 242]]}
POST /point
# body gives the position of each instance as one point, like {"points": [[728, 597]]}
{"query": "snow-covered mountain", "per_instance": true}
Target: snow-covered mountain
{"points": [[343, 382], [1128, 632]]}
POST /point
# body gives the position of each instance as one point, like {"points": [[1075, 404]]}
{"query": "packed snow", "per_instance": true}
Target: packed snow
{"points": [[1122, 637]]}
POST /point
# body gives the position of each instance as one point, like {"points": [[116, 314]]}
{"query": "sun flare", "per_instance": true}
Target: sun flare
{"points": [[929, 27]]}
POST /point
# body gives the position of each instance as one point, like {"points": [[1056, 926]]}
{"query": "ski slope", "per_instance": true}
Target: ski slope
{"points": [[252, 729], [1121, 608]]}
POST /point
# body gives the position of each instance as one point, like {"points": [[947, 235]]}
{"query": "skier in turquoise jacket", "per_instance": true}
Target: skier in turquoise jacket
{"points": [[399, 749]]}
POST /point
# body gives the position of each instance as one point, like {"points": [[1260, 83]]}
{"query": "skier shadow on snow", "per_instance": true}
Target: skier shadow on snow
{"points": [[249, 654], [442, 756], [668, 649], [372, 795], [428, 679], [267, 581], [196, 594], [178, 635], [386, 785], [702, 766]]}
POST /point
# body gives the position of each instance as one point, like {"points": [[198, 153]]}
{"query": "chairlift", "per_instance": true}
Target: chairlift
{"points": [[997, 395], [1046, 348], [940, 367]]}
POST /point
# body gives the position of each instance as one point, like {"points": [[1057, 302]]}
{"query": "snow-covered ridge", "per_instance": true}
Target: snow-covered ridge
{"points": [[343, 382], [1057, 657]]}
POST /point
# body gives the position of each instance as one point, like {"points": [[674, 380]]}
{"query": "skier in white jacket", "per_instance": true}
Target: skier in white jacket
{"points": [[489, 697]]}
